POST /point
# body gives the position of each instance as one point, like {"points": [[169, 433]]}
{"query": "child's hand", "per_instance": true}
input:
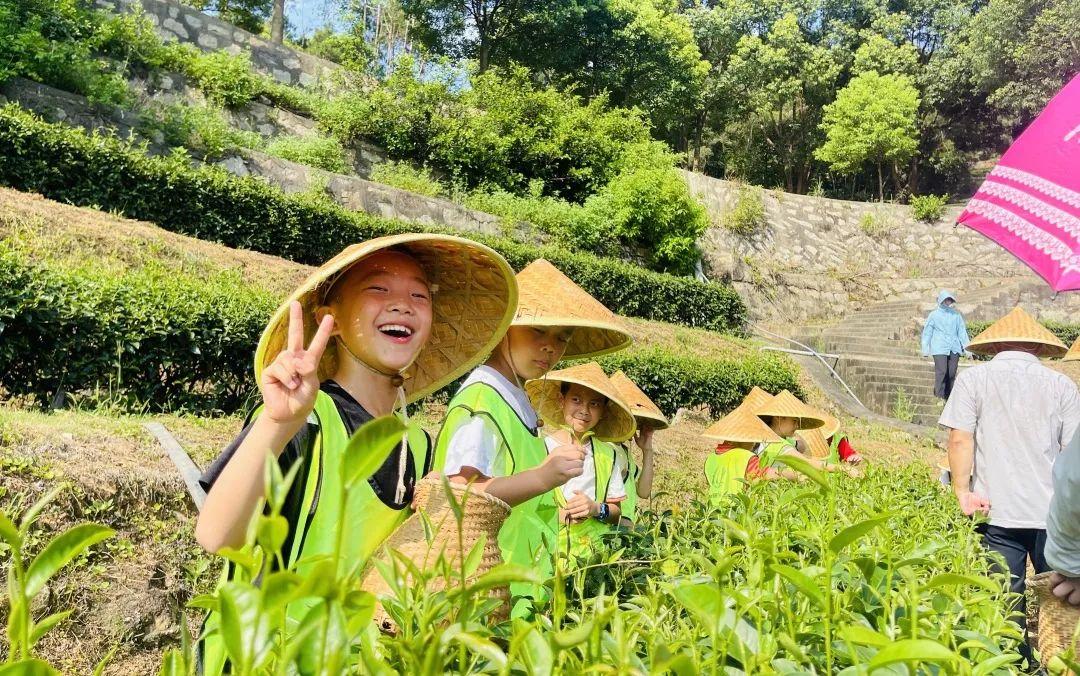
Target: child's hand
{"points": [[580, 508], [291, 382], [563, 464], [643, 439]]}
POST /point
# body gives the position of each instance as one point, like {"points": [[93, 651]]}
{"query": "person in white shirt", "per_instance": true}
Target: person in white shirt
{"points": [[1063, 525]]}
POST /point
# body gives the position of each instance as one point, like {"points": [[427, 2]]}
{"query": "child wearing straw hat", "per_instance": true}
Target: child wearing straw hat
{"points": [[383, 323], [637, 479], [740, 437], [582, 406], [491, 433]]}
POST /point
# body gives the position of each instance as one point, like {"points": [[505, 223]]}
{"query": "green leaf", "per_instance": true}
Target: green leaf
{"points": [[451, 499], [31, 667], [505, 574], [802, 582], [993, 664], [31, 515], [41, 628], [802, 466], [9, 532], [861, 635], [537, 655], [60, 551], [272, 533], [324, 649], [369, 447], [568, 638], [173, 664], [483, 647], [476, 554], [240, 625], [854, 532], [956, 579], [912, 650], [702, 600], [280, 588]]}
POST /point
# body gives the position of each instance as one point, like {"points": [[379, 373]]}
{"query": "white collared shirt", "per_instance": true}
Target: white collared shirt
{"points": [[477, 443], [586, 483]]}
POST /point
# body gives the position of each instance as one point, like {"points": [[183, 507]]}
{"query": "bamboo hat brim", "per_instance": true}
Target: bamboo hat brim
{"points": [[787, 405], [1074, 352], [741, 425], [1017, 327], [817, 445], [549, 298], [474, 297], [618, 422], [643, 407], [755, 398]]}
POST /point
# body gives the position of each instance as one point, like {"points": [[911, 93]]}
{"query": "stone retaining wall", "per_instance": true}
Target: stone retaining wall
{"points": [[186, 24], [814, 260]]}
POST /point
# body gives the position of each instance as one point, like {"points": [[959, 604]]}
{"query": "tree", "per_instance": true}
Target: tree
{"points": [[873, 119], [250, 15], [277, 22], [474, 29]]}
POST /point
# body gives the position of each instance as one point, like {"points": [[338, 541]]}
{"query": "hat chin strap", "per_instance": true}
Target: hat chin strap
{"points": [[398, 381]]}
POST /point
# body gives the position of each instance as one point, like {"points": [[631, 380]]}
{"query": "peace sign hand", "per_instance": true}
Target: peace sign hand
{"points": [[291, 382]]}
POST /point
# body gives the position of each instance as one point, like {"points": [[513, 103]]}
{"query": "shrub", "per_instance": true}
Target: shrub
{"points": [[569, 224], [873, 226], [68, 165], [747, 217], [352, 52], [407, 177], [226, 79], [319, 152], [202, 129], [928, 208], [153, 337]]}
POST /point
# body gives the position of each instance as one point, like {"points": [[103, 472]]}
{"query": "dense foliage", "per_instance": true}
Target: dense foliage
{"points": [[68, 165]]}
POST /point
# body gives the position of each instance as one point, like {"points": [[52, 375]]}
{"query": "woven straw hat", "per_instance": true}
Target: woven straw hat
{"points": [[482, 517], [816, 444], [756, 397], [474, 298], [548, 298], [743, 426], [1017, 327], [643, 407], [618, 422], [788, 405], [1074, 352]]}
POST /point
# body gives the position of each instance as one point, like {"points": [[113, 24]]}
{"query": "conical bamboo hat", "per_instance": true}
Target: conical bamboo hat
{"points": [[1074, 352], [474, 297], [741, 425], [545, 393], [1017, 327], [643, 407], [547, 297], [788, 405], [832, 424], [817, 445], [755, 398]]}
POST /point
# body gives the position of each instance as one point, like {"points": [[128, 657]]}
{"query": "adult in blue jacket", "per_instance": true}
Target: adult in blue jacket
{"points": [[945, 337]]}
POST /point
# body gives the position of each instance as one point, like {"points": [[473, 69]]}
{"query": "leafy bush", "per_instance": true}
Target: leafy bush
{"points": [[226, 79], [873, 226], [68, 165], [201, 129], [928, 208], [155, 338], [407, 177], [318, 151], [352, 52], [747, 217]]}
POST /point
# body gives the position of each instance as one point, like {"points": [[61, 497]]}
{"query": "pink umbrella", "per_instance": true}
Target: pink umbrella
{"points": [[1030, 202]]}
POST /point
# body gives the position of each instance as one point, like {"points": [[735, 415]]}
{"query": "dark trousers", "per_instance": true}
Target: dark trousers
{"points": [[945, 374], [1017, 545]]}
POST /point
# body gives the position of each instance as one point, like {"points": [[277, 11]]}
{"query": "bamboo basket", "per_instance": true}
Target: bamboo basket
{"points": [[483, 516], [1057, 622]]}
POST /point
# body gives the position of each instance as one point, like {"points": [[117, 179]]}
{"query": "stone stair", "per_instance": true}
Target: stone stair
{"points": [[878, 346]]}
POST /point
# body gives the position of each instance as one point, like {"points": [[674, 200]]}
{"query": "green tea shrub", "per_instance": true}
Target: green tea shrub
{"points": [[928, 208], [407, 177], [204, 130], [154, 338], [226, 79], [319, 152], [69, 165], [747, 217]]}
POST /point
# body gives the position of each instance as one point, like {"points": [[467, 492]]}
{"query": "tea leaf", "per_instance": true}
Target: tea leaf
{"points": [[956, 579], [993, 664], [912, 650], [802, 582], [30, 667], [854, 532], [60, 551], [864, 636], [803, 467], [9, 532], [369, 447], [482, 647], [41, 628]]}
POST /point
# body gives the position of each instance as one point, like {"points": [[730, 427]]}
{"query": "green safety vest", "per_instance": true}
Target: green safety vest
{"points": [[726, 473], [580, 537], [630, 479], [527, 537], [320, 511]]}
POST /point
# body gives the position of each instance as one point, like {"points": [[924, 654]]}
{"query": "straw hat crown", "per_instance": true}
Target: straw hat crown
{"points": [[788, 405], [741, 425], [755, 398], [640, 404], [549, 298], [1074, 352], [474, 297], [816, 443], [1017, 327], [546, 394]]}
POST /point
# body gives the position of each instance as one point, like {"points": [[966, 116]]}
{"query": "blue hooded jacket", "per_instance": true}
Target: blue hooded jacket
{"points": [[945, 331]]}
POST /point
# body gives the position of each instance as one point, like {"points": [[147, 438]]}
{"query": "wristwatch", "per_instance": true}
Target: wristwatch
{"points": [[603, 513]]}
